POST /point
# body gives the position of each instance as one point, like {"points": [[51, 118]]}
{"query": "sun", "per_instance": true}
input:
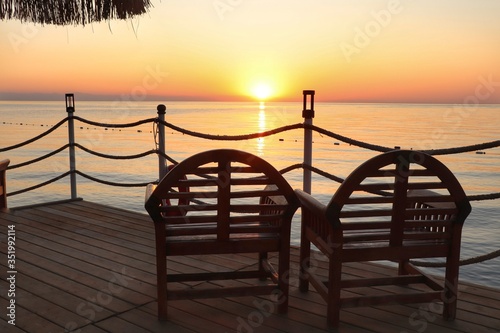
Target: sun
{"points": [[262, 91]]}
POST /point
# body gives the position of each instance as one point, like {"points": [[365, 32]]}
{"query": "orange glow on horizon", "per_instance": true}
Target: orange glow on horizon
{"points": [[421, 53]]}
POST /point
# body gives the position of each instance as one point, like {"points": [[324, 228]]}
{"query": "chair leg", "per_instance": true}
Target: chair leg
{"points": [[262, 256], [284, 277], [161, 271], [161, 280], [305, 263], [450, 294], [333, 306], [283, 300], [402, 267]]}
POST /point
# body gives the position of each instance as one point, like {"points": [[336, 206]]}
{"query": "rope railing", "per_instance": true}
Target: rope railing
{"points": [[116, 157], [98, 124], [157, 122], [232, 137], [442, 151], [50, 181], [38, 159], [462, 262], [105, 182], [36, 138], [167, 157], [487, 145]]}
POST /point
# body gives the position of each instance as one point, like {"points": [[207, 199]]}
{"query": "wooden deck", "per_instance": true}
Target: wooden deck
{"points": [[86, 267]]}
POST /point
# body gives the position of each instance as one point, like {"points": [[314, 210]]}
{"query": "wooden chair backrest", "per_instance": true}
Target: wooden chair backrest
{"points": [[3, 187], [223, 194], [399, 197]]}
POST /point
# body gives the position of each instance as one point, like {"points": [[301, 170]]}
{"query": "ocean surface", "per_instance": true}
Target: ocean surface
{"points": [[414, 126]]}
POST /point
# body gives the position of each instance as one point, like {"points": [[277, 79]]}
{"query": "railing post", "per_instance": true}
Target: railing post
{"points": [[70, 109], [162, 162], [308, 115]]}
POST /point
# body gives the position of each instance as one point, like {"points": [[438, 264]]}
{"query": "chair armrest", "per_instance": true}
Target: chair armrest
{"points": [[4, 164], [310, 203], [3, 187], [149, 190]]}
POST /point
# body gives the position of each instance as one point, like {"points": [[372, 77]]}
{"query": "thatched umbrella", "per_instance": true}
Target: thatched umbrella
{"points": [[66, 12]]}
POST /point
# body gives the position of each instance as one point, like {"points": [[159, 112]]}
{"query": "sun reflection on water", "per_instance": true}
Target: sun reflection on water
{"points": [[262, 127]]}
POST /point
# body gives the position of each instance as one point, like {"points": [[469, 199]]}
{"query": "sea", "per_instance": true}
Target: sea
{"points": [[408, 126]]}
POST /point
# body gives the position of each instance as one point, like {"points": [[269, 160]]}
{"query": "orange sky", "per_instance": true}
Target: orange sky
{"points": [[366, 50]]}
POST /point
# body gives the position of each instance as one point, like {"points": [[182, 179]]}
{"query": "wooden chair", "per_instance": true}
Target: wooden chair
{"points": [[222, 202], [3, 186], [396, 206]]}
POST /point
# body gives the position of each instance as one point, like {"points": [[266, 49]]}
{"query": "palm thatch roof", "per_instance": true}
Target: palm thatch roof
{"points": [[71, 12]]}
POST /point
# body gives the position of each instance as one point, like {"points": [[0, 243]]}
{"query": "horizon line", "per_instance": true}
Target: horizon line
{"points": [[42, 97]]}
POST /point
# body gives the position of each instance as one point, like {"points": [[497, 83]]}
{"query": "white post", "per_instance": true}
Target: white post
{"points": [[70, 109], [308, 115], [162, 162]]}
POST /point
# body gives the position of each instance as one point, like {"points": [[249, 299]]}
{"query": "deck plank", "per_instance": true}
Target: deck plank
{"points": [[91, 268]]}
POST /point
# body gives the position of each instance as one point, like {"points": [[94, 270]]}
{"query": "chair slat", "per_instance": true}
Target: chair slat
{"points": [[431, 199], [366, 213], [257, 208], [256, 218], [366, 225], [366, 237], [426, 185], [188, 208], [251, 181], [192, 219], [199, 229], [393, 173], [249, 194], [204, 171], [426, 235], [189, 195], [369, 200], [437, 223]]}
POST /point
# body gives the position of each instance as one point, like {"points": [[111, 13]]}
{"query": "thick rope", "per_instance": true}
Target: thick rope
{"points": [[444, 151], [111, 183], [323, 173], [230, 137], [170, 159], [463, 149], [361, 144], [290, 168], [39, 185], [481, 197], [116, 157], [348, 140], [136, 123], [38, 159], [463, 262], [19, 145]]}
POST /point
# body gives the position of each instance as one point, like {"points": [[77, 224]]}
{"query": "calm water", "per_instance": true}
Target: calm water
{"points": [[404, 125]]}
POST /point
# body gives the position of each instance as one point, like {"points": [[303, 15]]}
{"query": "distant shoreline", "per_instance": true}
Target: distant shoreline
{"points": [[47, 97]]}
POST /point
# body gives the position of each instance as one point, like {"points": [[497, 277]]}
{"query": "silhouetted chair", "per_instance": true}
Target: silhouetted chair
{"points": [[3, 186], [222, 202], [396, 206]]}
